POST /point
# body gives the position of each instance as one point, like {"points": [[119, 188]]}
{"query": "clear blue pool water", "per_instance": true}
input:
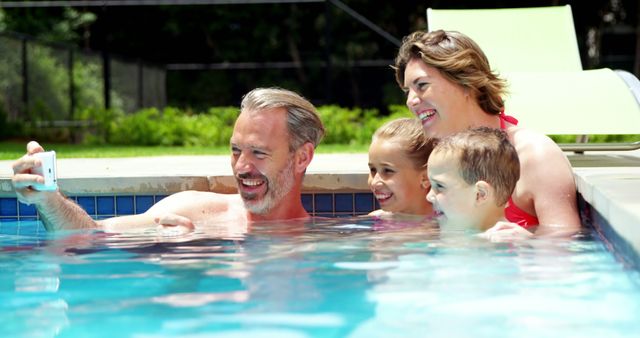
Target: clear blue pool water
{"points": [[340, 278]]}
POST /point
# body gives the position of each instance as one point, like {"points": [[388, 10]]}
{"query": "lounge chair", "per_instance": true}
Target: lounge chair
{"points": [[536, 50]]}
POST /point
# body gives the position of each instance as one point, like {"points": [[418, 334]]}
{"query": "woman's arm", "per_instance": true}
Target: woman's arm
{"points": [[546, 179]]}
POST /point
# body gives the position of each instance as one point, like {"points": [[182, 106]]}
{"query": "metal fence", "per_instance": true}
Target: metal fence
{"points": [[51, 83]]}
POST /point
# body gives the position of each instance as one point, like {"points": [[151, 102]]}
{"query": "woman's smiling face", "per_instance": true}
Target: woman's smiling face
{"points": [[434, 99]]}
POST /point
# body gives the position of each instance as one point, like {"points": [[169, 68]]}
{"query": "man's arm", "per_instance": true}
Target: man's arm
{"points": [[56, 211], [180, 209], [172, 211]]}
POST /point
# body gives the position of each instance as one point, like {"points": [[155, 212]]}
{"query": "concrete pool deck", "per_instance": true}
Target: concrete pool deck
{"points": [[608, 181]]}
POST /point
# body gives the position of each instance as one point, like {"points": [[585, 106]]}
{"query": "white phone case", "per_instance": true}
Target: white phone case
{"points": [[47, 170]]}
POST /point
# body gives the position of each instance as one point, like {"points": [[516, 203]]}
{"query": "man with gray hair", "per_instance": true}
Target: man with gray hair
{"points": [[273, 142]]}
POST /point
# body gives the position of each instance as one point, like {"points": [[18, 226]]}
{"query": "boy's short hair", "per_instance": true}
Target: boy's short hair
{"points": [[410, 131], [485, 154]]}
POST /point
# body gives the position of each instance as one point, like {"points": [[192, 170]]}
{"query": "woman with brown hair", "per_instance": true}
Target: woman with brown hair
{"points": [[450, 87]]}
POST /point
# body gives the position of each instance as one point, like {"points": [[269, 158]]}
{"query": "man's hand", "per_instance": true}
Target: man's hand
{"points": [[172, 224], [23, 177]]}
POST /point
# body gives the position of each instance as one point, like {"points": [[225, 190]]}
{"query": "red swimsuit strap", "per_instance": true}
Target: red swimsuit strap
{"points": [[512, 212], [507, 118], [516, 215]]}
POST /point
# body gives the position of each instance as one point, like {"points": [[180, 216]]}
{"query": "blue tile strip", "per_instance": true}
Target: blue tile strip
{"points": [[125, 205], [8, 207], [344, 203], [143, 203], [88, 203], [27, 210], [364, 202], [307, 202], [106, 205], [323, 203], [99, 207]]}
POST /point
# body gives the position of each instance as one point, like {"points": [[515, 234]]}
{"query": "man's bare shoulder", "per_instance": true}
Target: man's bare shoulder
{"points": [[205, 196]]}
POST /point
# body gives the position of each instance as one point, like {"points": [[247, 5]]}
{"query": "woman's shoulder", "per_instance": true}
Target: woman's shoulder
{"points": [[537, 152], [533, 142]]}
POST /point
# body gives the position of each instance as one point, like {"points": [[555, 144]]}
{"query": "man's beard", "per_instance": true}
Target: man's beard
{"points": [[276, 190]]}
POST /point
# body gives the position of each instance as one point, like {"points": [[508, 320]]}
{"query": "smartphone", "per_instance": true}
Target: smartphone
{"points": [[47, 170]]}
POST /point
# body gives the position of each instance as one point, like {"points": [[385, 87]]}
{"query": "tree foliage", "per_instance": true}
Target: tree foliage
{"points": [[307, 35]]}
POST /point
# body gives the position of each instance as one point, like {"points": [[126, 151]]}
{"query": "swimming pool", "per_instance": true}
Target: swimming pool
{"points": [[347, 277]]}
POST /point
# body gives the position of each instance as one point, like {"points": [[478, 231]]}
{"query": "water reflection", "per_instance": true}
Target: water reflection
{"points": [[348, 277]]}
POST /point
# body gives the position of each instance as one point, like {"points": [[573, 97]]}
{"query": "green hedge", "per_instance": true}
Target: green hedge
{"points": [[353, 126], [175, 127]]}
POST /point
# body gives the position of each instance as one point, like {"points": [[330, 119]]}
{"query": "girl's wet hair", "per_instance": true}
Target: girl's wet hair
{"points": [[418, 146]]}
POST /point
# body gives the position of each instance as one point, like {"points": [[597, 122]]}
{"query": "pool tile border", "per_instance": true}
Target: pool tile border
{"points": [[103, 206]]}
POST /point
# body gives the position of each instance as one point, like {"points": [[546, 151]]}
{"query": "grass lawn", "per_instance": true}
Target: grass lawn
{"points": [[14, 150]]}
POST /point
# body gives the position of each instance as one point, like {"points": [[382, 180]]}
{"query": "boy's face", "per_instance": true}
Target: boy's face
{"points": [[394, 179], [453, 199]]}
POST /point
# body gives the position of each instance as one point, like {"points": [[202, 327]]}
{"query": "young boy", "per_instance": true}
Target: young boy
{"points": [[472, 174]]}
